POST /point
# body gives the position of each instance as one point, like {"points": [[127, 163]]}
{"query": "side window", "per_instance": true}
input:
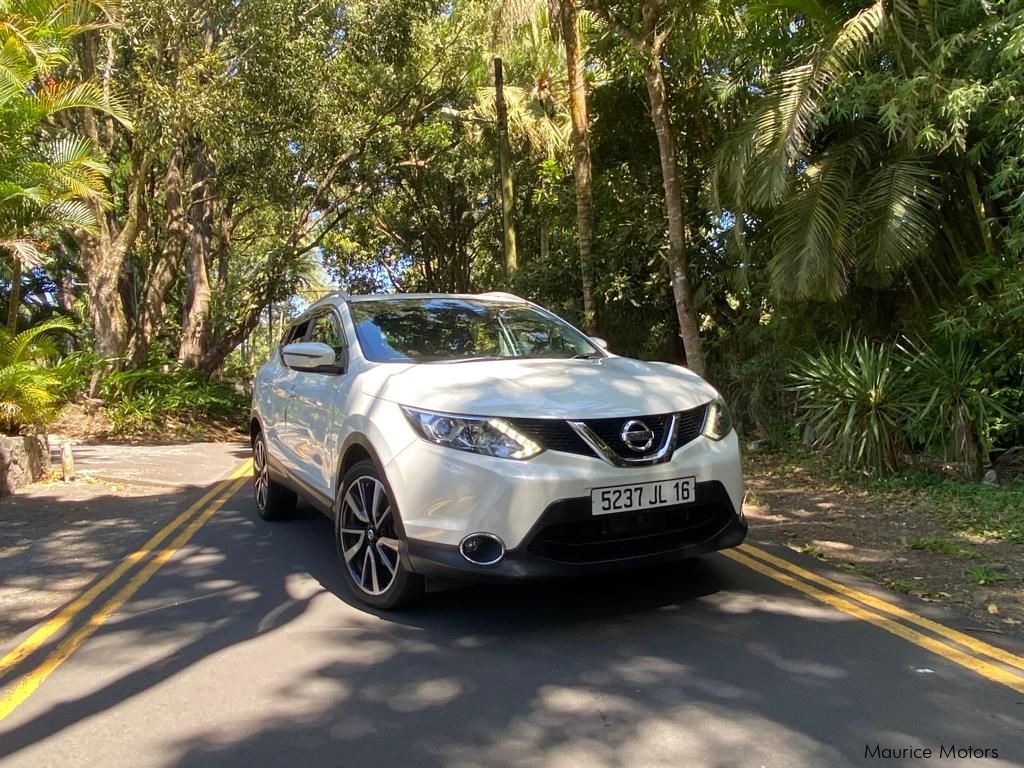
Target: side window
{"points": [[296, 333], [326, 331]]}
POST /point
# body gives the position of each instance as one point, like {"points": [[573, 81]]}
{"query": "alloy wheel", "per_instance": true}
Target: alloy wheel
{"points": [[260, 473], [369, 542]]}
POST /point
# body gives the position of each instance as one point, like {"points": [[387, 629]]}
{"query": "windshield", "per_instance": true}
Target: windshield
{"points": [[450, 329]]}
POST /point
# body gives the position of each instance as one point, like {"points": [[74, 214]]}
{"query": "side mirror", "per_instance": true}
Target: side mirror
{"points": [[309, 356], [599, 342]]}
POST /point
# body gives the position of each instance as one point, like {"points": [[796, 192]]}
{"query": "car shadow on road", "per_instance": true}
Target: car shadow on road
{"points": [[677, 665]]}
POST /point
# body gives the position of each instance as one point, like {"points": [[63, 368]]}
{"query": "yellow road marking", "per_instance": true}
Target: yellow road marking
{"points": [[72, 609], [979, 666], [25, 686], [978, 646], [34, 641]]}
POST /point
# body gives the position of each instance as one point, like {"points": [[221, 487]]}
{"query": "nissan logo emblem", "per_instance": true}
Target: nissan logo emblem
{"points": [[637, 436]]}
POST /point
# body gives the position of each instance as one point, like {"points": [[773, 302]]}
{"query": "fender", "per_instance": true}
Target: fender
{"points": [[362, 441]]}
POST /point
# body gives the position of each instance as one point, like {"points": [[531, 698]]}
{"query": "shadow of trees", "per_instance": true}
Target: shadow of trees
{"points": [[248, 650]]}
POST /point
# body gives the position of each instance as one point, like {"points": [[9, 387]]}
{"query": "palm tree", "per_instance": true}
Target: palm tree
{"points": [[538, 110], [27, 388], [564, 17], [847, 193], [50, 181]]}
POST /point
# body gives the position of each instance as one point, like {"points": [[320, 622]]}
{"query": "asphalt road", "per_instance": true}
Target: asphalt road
{"points": [[244, 648]]}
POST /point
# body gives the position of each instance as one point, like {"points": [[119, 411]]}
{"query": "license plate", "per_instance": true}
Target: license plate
{"points": [[638, 496]]}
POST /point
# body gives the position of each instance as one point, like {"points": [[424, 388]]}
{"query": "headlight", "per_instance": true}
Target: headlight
{"points": [[491, 437], [717, 421]]}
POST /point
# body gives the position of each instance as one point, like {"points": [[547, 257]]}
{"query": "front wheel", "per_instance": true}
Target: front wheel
{"points": [[368, 538]]}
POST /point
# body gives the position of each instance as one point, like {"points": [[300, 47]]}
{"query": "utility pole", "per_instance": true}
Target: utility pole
{"points": [[505, 167]]}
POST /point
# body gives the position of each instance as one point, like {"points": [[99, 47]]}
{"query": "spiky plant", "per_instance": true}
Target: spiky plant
{"points": [[857, 401], [951, 377], [28, 389]]}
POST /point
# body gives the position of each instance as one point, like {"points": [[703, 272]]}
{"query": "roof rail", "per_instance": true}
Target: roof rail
{"points": [[339, 294], [501, 295]]}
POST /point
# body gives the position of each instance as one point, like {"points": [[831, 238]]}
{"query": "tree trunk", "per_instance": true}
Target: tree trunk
{"points": [[103, 251], [581, 157], [195, 335], [66, 293], [14, 298], [219, 348], [689, 328], [167, 264], [103, 259]]}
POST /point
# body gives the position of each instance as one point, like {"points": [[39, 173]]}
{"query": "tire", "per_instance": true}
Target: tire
{"points": [[368, 534], [273, 500]]}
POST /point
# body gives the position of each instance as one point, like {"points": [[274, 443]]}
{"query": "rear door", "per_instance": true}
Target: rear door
{"points": [[312, 412]]}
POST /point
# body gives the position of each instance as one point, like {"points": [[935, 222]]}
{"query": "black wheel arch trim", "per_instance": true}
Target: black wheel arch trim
{"points": [[362, 441]]}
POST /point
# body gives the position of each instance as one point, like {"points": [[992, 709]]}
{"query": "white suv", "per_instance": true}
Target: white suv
{"points": [[484, 437]]}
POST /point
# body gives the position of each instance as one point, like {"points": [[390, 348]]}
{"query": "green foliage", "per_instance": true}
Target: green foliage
{"points": [[28, 388], [902, 586], [149, 399], [869, 402], [857, 401], [864, 153], [981, 510], [969, 510], [74, 373], [938, 546], [952, 378], [50, 180], [984, 574], [880, 118]]}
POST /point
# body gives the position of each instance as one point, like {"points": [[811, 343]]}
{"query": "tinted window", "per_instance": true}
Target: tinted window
{"points": [[296, 333], [426, 330], [326, 331]]}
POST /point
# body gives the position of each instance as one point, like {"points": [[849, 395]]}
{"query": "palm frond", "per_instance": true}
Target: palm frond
{"points": [[514, 14], [16, 349], [899, 212], [63, 96], [808, 9], [15, 70], [815, 240], [71, 214], [25, 250]]}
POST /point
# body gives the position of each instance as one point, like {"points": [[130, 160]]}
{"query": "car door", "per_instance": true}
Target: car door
{"points": [[275, 389], [311, 412]]}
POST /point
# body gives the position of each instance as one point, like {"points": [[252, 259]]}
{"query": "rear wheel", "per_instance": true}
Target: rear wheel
{"points": [[273, 500], [368, 537]]}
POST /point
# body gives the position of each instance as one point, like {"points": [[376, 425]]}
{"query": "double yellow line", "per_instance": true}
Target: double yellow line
{"points": [[987, 660], [151, 553]]}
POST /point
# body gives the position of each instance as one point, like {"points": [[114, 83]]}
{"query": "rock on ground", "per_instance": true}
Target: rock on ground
{"points": [[23, 460]]}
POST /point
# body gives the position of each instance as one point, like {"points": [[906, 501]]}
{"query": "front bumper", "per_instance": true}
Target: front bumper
{"points": [[444, 494], [567, 540]]}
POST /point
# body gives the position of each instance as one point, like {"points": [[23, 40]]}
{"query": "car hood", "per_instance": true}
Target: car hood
{"points": [[558, 389]]}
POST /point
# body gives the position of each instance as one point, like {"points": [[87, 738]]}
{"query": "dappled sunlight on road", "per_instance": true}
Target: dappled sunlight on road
{"points": [[248, 650]]}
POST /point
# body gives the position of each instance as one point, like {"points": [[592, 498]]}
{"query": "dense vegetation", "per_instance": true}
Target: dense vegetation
{"points": [[820, 205]]}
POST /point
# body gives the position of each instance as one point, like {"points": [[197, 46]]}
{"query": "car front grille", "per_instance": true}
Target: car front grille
{"points": [[610, 432], [553, 435], [568, 532], [557, 435], [691, 423]]}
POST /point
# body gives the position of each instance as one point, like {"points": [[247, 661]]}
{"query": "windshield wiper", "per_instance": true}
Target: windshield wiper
{"points": [[586, 356]]}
